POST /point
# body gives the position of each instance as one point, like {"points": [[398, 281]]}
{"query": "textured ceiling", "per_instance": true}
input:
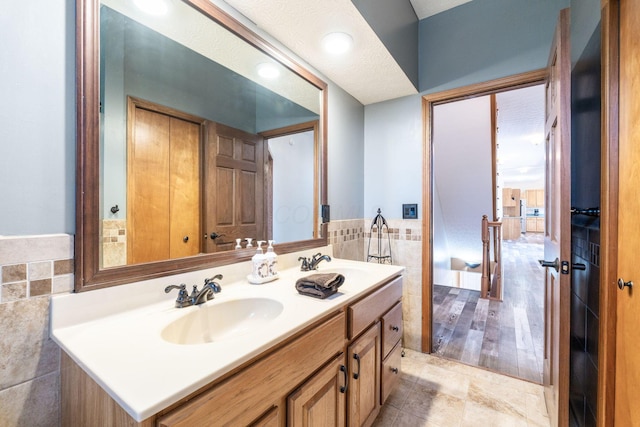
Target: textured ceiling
{"points": [[368, 72]]}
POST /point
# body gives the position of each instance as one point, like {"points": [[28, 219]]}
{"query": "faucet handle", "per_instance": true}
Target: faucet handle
{"points": [[214, 286], [182, 287], [305, 263], [183, 296]]}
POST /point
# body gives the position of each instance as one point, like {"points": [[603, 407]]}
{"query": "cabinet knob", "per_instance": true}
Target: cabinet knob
{"points": [[622, 284], [395, 328], [185, 239], [394, 370]]}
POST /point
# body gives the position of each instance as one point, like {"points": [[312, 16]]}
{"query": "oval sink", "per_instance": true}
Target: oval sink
{"points": [[217, 322]]}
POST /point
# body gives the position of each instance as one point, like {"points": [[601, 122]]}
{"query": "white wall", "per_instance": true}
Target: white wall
{"points": [[393, 156], [292, 201], [462, 173], [345, 155]]}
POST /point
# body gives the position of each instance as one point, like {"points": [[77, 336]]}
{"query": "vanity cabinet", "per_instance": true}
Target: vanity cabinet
{"points": [[321, 400], [337, 371], [364, 368], [245, 397]]}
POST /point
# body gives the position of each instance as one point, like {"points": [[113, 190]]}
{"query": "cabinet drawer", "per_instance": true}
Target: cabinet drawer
{"points": [[391, 329], [244, 397], [390, 372], [369, 309]]}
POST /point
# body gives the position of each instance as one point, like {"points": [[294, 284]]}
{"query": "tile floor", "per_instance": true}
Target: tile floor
{"points": [[442, 393]]}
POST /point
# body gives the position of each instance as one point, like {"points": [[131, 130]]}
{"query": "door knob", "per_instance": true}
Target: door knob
{"points": [[555, 263], [622, 284], [215, 235]]}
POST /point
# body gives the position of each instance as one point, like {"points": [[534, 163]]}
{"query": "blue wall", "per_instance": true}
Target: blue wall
{"points": [[485, 39], [37, 117]]}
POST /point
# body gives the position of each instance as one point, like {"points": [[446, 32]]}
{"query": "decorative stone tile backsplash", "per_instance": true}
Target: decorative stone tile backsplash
{"points": [[34, 265], [114, 243], [31, 269]]}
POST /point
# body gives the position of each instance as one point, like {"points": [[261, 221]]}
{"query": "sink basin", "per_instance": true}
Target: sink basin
{"points": [[217, 322]]}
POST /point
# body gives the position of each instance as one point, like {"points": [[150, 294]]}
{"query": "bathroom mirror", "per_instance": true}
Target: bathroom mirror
{"points": [[151, 83]]}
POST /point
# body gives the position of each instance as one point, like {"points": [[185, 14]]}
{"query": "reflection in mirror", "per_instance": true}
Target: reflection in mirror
{"points": [[175, 159], [183, 108]]}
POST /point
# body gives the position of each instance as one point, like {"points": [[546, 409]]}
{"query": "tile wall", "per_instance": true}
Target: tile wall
{"points": [[32, 268], [351, 239], [585, 317]]}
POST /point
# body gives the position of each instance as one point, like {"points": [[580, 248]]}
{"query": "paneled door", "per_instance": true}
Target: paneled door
{"points": [[234, 187], [627, 355], [557, 237]]}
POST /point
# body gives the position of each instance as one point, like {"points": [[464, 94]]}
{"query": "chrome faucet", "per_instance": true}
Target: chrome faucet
{"points": [[197, 297], [309, 264]]}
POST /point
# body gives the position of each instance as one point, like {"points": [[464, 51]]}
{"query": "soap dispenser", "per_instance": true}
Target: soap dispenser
{"points": [[272, 260], [259, 261]]}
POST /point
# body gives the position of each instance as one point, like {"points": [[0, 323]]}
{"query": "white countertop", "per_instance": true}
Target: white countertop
{"points": [[114, 334]]}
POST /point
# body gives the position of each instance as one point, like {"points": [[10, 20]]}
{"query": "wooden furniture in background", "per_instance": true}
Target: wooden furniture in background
{"points": [[535, 198], [511, 228]]}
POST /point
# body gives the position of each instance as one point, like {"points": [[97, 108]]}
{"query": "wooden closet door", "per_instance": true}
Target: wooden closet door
{"points": [[163, 187], [147, 179], [184, 189]]}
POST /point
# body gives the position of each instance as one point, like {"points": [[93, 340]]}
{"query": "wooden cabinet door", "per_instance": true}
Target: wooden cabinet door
{"points": [[321, 400], [531, 225], [364, 378]]}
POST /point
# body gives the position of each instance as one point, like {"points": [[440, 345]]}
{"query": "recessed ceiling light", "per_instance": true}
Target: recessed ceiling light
{"points": [[337, 43], [268, 70], [152, 7]]}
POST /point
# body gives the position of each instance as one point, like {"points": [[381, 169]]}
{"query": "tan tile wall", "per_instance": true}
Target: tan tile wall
{"points": [[346, 237], [114, 243], [31, 269], [351, 240], [405, 239]]}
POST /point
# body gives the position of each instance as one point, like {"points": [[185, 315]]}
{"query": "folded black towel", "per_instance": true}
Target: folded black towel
{"points": [[320, 285]]}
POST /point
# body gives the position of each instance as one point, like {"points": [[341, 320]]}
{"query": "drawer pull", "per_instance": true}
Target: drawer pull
{"points": [[357, 374], [344, 388], [394, 370], [395, 328]]}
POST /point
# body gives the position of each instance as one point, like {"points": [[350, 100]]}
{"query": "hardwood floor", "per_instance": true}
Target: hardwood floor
{"points": [[507, 336]]}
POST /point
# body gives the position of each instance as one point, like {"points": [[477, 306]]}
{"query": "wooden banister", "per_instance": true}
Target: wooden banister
{"points": [[491, 281]]}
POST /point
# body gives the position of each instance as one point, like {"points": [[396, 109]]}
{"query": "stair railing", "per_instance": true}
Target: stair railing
{"points": [[491, 281]]}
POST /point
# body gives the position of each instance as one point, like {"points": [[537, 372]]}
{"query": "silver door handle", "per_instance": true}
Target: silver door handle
{"points": [[555, 264]]}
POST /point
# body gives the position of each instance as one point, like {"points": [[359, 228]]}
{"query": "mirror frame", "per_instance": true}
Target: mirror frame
{"points": [[88, 274]]}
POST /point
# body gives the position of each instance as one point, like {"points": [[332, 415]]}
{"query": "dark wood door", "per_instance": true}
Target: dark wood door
{"points": [[234, 187], [557, 237]]}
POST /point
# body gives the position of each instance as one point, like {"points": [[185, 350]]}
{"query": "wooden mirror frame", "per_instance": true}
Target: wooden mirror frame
{"points": [[88, 274]]}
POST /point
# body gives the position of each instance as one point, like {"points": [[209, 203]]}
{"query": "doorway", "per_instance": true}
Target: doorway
{"points": [[501, 335]]}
